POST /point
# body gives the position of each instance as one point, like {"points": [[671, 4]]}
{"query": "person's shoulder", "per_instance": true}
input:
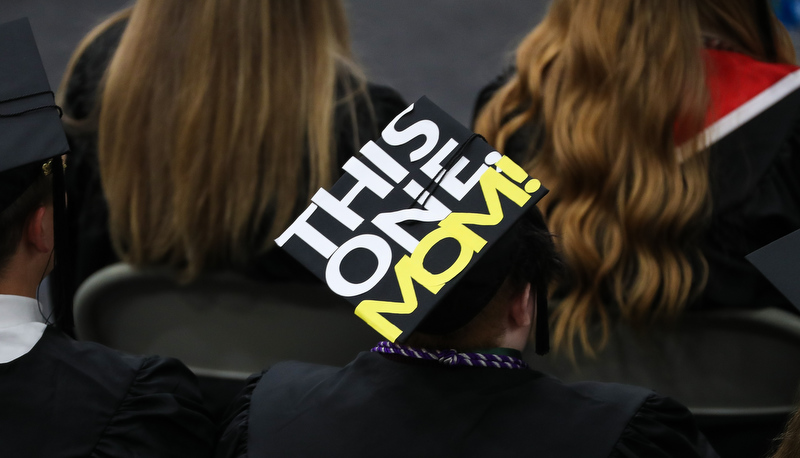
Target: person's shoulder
{"points": [[160, 408], [288, 382], [281, 385], [386, 102], [662, 427], [294, 375], [145, 405], [233, 440], [613, 403], [162, 411], [637, 421], [490, 89], [386, 94], [92, 356], [127, 374], [609, 392]]}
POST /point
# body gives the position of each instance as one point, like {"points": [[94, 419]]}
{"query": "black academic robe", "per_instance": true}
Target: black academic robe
{"points": [[387, 406], [66, 398]]}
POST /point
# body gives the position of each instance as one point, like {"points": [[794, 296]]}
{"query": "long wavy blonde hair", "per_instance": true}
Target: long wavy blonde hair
{"points": [[606, 82], [215, 115]]}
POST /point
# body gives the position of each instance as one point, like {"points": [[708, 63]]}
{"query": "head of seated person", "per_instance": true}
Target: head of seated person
{"points": [[218, 121], [611, 122], [26, 235], [477, 315]]}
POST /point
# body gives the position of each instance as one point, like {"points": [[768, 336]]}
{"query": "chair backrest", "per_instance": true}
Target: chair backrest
{"points": [[224, 326], [737, 371], [221, 322]]}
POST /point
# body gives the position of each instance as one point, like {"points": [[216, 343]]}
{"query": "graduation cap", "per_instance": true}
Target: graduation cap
{"points": [[780, 263], [414, 233], [32, 141]]}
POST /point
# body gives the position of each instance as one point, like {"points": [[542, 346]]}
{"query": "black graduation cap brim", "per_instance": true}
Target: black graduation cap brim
{"points": [[30, 125], [780, 263], [411, 218]]}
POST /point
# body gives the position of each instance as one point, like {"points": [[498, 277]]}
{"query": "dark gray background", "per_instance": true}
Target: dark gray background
{"points": [[445, 49]]}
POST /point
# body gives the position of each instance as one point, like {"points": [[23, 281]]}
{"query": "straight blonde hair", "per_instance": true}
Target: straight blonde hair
{"points": [[216, 117], [608, 81]]}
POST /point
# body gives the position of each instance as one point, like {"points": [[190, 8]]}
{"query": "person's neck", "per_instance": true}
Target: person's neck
{"points": [[20, 278], [515, 339], [16, 289]]}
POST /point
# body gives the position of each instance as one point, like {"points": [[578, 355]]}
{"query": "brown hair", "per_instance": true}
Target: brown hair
{"points": [[790, 439], [15, 217], [215, 114], [607, 81], [750, 26]]}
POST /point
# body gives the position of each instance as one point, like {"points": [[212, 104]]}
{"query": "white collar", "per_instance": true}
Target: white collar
{"points": [[21, 326], [15, 310]]}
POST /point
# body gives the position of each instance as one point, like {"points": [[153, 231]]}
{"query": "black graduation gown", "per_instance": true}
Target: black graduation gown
{"points": [[79, 399], [89, 209], [384, 406], [755, 182]]}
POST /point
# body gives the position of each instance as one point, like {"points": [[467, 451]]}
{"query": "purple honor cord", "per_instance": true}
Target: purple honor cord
{"points": [[452, 357]]}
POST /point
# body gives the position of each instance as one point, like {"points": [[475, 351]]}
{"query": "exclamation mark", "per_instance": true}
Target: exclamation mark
{"points": [[505, 165]]}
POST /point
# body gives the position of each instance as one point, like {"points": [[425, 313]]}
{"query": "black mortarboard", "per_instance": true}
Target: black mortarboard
{"points": [[424, 208], [780, 263], [32, 139]]}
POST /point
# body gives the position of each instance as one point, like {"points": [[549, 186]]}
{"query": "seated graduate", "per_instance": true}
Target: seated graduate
{"points": [[248, 107], [61, 397], [669, 132], [458, 386]]}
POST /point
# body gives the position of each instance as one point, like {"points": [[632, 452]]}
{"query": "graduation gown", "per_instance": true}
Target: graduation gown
{"points": [[754, 131], [386, 406], [66, 398]]}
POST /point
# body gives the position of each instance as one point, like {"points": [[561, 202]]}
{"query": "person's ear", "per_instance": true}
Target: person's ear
{"points": [[39, 230], [523, 307]]}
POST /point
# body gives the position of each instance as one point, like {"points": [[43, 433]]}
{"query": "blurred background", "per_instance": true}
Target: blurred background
{"points": [[445, 49]]}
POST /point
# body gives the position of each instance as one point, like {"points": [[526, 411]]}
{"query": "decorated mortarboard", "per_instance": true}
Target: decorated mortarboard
{"points": [[420, 214], [32, 141], [780, 263]]}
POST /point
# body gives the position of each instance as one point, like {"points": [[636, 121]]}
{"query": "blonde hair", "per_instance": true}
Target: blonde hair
{"points": [[607, 81], [215, 115]]}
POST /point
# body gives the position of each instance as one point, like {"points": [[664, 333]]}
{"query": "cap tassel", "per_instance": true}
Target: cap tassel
{"points": [[61, 286], [542, 325]]}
